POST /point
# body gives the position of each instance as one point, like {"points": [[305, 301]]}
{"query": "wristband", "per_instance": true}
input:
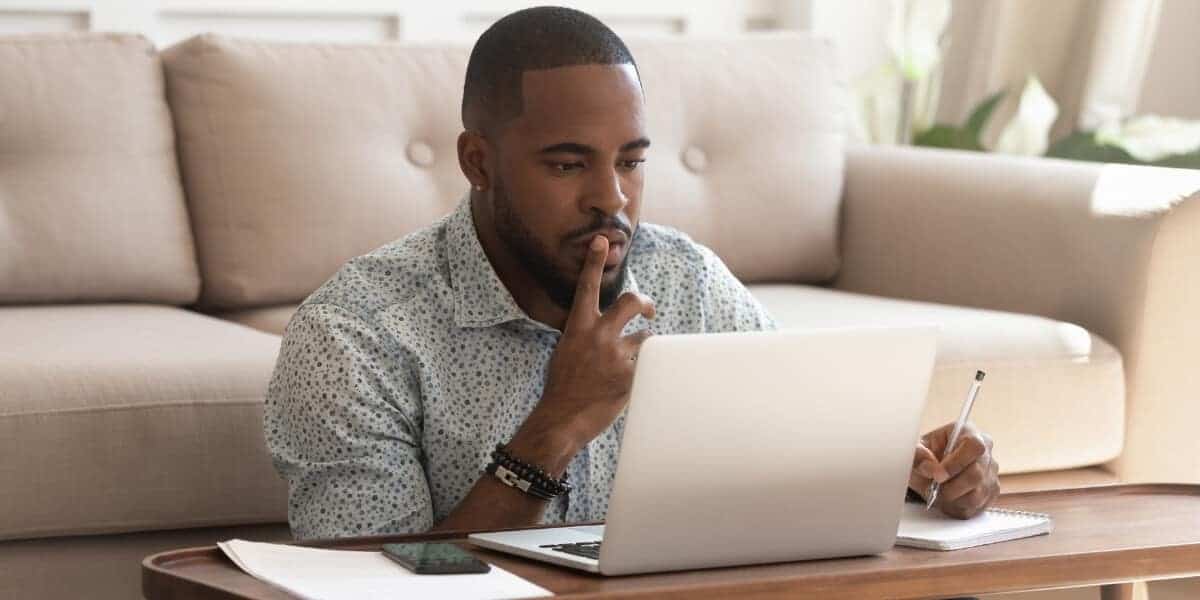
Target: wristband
{"points": [[525, 477]]}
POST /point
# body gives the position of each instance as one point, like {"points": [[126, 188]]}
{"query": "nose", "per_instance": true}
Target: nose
{"points": [[604, 193]]}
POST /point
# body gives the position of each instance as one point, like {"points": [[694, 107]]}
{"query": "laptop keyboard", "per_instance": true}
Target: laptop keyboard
{"points": [[584, 549]]}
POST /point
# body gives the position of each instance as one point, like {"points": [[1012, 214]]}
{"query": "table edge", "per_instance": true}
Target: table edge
{"points": [[157, 565]]}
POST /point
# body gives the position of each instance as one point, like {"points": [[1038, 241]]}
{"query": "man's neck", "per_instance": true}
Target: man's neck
{"points": [[529, 295]]}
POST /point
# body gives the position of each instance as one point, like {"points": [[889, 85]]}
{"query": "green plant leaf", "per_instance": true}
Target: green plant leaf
{"points": [[1191, 160], [965, 137], [939, 136], [1082, 145], [979, 117], [947, 136]]}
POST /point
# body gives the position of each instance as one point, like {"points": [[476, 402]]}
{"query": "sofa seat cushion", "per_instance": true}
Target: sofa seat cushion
{"points": [[1057, 480], [132, 417], [1054, 397], [271, 319]]}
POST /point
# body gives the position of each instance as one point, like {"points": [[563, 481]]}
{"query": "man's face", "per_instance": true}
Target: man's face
{"points": [[568, 169]]}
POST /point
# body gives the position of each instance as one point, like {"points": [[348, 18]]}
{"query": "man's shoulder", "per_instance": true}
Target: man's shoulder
{"points": [[658, 246], [391, 274]]}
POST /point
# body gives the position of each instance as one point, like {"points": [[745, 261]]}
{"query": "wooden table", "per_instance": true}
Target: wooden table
{"points": [[1106, 535]]}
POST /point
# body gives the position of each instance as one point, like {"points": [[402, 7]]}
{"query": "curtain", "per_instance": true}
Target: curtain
{"points": [[1090, 55]]}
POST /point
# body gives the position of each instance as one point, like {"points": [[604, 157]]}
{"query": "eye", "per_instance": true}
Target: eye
{"points": [[630, 165], [565, 168]]}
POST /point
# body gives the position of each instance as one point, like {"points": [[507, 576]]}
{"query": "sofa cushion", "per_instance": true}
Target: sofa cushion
{"points": [[132, 417], [91, 207], [1058, 480], [298, 157], [1054, 397], [108, 567], [271, 319], [748, 150]]}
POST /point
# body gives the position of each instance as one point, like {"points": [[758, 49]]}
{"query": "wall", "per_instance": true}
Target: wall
{"points": [[993, 43], [168, 21]]}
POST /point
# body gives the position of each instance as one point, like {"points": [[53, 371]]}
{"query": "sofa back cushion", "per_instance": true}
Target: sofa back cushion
{"points": [[297, 157], [748, 150], [91, 207]]}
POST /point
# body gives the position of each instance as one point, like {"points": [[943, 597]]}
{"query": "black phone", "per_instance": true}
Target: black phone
{"points": [[435, 558]]}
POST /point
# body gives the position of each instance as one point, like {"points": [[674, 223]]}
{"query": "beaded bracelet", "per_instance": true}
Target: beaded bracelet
{"points": [[526, 477]]}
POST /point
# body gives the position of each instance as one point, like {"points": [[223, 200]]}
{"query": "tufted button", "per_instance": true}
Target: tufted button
{"points": [[695, 159], [421, 154]]}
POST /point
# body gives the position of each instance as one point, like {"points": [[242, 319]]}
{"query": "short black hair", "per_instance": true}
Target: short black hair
{"points": [[544, 37]]}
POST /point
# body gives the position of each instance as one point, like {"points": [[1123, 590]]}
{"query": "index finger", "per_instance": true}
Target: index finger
{"points": [[587, 290]]}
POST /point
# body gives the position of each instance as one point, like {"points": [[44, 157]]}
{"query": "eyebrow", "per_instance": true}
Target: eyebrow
{"points": [[576, 148]]}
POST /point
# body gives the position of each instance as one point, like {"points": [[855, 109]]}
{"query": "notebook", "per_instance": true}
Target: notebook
{"points": [[933, 530]]}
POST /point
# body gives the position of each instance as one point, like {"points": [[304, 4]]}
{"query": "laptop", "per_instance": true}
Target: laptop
{"points": [[746, 448]]}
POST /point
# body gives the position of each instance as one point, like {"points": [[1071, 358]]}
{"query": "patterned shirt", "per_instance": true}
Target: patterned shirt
{"points": [[398, 376]]}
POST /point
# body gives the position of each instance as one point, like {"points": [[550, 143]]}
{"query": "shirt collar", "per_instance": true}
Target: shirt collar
{"points": [[480, 298]]}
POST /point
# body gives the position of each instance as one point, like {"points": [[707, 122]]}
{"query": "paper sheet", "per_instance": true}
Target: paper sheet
{"points": [[317, 574]]}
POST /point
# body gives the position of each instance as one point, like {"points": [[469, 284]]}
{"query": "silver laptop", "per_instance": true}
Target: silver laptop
{"points": [[744, 448]]}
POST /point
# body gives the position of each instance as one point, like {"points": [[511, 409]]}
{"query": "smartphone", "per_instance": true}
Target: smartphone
{"points": [[435, 558]]}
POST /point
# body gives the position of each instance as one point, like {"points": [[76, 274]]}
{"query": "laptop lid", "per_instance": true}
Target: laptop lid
{"points": [[745, 448]]}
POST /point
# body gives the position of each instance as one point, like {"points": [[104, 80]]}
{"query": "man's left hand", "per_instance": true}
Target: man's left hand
{"points": [[968, 474]]}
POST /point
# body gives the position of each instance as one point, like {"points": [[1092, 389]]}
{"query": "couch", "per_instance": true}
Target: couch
{"points": [[163, 213]]}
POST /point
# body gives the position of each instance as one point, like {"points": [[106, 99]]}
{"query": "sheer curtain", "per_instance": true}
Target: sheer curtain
{"points": [[1091, 55]]}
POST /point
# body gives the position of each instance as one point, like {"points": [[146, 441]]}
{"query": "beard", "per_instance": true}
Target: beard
{"points": [[539, 262]]}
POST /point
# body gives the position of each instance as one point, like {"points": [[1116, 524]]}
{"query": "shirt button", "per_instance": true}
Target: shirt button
{"points": [[421, 154]]}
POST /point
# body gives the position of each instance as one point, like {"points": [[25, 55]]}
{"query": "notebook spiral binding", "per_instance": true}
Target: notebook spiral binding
{"points": [[1019, 513]]}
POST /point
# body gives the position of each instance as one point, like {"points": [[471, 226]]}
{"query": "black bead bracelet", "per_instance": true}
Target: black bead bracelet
{"points": [[526, 477]]}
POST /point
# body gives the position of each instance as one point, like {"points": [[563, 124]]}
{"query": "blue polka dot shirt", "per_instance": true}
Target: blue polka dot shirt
{"points": [[399, 375]]}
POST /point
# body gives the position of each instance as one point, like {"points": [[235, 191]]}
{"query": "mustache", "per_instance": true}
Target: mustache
{"points": [[602, 224]]}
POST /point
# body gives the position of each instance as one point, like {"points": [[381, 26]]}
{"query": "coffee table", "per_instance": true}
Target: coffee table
{"points": [[1104, 535]]}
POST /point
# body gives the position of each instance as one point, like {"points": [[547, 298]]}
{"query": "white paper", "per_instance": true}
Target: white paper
{"points": [[317, 574], [931, 529]]}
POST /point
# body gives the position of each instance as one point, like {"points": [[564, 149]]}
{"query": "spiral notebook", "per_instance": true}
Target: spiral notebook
{"points": [[933, 530]]}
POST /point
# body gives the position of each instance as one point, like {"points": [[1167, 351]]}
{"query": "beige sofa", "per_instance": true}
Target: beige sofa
{"points": [[162, 214]]}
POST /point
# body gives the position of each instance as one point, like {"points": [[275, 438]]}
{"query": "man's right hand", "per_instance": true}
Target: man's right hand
{"points": [[590, 373]]}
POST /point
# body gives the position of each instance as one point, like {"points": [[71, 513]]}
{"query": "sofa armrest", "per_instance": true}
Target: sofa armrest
{"points": [[1113, 248]]}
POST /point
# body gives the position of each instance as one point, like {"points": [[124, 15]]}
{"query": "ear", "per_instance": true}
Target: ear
{"points": [[473, 154]]}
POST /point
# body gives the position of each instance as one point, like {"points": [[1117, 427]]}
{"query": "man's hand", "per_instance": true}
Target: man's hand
{"points": [[968, 474], [591, 371], [587, 387]]}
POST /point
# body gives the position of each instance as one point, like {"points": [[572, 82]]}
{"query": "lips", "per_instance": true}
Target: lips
{"points": [[618, 242], [614, 236], [616, 252]]}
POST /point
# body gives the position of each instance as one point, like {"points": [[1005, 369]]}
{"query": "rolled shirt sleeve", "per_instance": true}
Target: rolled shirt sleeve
{"points": [[343, 425]]}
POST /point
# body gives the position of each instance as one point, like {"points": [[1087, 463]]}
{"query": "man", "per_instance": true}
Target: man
{"points": [[516, 320]]}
